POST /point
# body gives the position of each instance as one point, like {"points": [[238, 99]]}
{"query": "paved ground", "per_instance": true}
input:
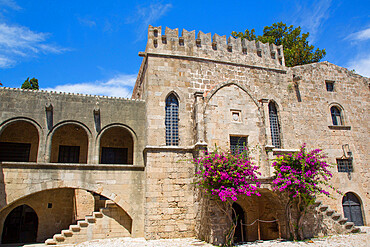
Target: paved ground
{"points": [[355, 240]]}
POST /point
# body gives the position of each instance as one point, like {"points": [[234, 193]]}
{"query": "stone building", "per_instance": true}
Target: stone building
{"points": [[78, 167]]}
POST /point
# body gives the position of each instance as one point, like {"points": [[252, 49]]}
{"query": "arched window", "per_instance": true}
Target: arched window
{"points": [[274, 125], [336, 115], [172, 120], [352, 209]]}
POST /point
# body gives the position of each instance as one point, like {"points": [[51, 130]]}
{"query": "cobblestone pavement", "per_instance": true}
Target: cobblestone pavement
{"points": [[355, 240]]}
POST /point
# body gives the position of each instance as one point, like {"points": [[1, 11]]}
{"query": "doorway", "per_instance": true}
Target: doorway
{"points": [[238, 214], [352, 209], [20, 226]]}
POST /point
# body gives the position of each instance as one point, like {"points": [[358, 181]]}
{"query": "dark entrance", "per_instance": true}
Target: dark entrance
{"points": [[20, 226], [352, 209], [238, 213]]}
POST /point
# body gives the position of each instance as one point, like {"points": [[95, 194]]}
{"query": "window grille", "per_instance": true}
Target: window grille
{"points": [[329, 86], [172, 120], [237, 144], [344, 165], [336, 115], [69, 154], [274, 125]]}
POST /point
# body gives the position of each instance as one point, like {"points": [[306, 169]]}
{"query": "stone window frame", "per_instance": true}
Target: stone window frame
{"points": [[273, 131], [239, 113], [342, 117], [345, 165], [330, 85], [237, 148], [172, 133]]}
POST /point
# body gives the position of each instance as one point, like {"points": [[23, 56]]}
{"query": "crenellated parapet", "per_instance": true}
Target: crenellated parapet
{"points": [[56, 94], [215, 47]]}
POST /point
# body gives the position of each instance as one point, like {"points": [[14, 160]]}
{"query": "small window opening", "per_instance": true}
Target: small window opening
{"points": [[329, 86], [198, 42], [181, 41], [238, 144], [344, 165], [50, 205]]}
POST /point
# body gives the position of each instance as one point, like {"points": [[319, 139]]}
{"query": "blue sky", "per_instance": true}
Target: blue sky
{"points": [[92, 47]]}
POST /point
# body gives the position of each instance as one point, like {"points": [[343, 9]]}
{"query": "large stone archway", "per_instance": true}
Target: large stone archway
{"points": [[264, 216]]}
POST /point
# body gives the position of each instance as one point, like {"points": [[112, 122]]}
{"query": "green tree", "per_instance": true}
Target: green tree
{"points": [[31, 84], [297, 51]]}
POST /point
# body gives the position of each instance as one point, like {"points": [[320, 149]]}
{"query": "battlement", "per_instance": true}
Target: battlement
{"points": [[216, 48], [9, 89]]}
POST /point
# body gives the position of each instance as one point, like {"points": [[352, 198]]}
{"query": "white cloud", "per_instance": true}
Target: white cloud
{"points": [[311, 17], [20, 41], [360, 36], [86, 22], [118, 86], [10, 4], [147, 15], [361, 66]]}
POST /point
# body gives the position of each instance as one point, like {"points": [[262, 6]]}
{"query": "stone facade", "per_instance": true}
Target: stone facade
{"points": [[224, 89]]}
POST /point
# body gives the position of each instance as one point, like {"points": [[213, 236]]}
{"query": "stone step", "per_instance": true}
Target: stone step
{"points": [[323, 208], [110, 203], [58, 237], [82, 223], [349, 225], [50, 241], [74, 228], [67, 233], [98, 215], [355, 230], [336, 216], [90, 219], [317, 203], [342, 221], [330, 212]]}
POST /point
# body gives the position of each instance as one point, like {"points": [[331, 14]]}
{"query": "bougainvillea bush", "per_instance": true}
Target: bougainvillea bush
{"points": [[302, 176], [224, 176], [227, 175]]}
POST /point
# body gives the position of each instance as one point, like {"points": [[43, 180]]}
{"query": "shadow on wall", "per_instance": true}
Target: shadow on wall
{"points": [[120, 220], [2, 189]]}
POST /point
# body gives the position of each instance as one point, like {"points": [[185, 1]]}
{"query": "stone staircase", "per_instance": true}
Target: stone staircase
{"points": [[83, 230], [342, 224]]}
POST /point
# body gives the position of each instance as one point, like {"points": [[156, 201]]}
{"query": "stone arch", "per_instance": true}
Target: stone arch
{"points": [[252, 124], [208, 95], [353, 208], [268, 207], [109, 127], [60, 184], [34, 139], [50, 155], [20, 225], [179, 98], [342, 113]]}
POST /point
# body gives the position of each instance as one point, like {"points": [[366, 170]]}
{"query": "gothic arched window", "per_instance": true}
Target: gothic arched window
{"points": [[336, 115], [274, 125], [172, 120]]}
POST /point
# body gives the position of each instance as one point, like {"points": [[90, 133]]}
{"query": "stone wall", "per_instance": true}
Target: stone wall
{"points": [[51, 219], [214, 79], [169, 196]]}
